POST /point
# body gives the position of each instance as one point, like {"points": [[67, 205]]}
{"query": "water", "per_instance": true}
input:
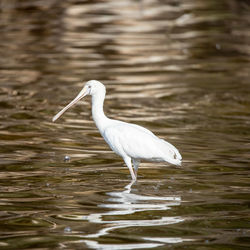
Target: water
{"points": [[179, 68]]}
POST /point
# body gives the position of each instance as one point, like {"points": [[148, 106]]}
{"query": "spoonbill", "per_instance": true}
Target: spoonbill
{"points": [[130, 141]]}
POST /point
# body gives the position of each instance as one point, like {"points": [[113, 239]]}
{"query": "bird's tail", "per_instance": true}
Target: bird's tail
{"points": [[171, 153], [176, 162]]}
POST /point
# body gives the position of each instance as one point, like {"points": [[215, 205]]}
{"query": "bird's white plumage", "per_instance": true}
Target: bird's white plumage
{"points": [[130, 141], [139, 143]]}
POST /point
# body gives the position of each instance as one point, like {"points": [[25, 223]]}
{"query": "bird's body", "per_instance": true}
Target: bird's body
{"points": [[139, 143], [130, 141]]}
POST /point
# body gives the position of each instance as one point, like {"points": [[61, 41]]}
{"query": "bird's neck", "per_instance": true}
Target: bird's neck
{"points": [[100, 119]]}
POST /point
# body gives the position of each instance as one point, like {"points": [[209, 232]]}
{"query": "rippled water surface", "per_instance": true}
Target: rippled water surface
{"points": [[179, 68]]}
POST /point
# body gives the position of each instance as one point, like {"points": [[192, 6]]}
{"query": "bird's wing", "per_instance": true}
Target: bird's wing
{"points": [[168, 146], [142, 129], [128, 140], [138, 142]]}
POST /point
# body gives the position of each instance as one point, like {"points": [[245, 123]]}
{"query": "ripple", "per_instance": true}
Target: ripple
{"points": [[179, 68]]}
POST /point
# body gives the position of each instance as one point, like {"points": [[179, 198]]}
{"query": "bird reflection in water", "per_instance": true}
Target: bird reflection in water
{"points": [[127, 203]]}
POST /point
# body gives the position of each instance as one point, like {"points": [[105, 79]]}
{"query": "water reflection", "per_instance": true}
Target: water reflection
{"points": [[125, 203], [179, 68], [96, 245]]}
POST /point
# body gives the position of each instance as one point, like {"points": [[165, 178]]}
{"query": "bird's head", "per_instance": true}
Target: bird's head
{"points": [[94, 87], [91, 87]]}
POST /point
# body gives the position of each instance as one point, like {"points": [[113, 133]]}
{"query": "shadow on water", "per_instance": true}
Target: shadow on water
{"points": [[179, 68]]}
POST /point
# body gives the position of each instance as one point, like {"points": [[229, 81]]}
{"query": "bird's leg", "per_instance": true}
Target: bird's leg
{"points": [[136, 165], [127, 160], [128, 187]]}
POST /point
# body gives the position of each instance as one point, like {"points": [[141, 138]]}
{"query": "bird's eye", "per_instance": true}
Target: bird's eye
{"points": [[88, 87]]}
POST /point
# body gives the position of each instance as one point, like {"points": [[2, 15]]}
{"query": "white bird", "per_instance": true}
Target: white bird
{"points": [[130, 141]]}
